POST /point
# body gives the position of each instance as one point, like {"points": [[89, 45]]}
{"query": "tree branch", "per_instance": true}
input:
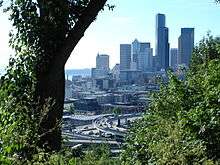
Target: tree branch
{"points": [[84, 21]]}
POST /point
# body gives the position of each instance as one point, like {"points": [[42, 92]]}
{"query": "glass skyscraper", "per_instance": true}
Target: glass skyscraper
{"points": [[145, 57], [162, 43], [173, 57], [185, 46], [125, 56]]}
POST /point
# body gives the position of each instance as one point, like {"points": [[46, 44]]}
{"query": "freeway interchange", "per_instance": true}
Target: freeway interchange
{"points": [[100, 129]]}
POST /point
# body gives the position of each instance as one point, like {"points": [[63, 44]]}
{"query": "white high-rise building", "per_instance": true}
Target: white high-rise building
{"points": [[102, 66], [135, 50]]}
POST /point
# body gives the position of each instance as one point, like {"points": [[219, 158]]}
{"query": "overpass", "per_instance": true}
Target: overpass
{"points": [[112, 131]]}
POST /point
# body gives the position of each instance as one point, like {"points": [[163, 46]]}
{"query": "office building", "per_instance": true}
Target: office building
{"points": [[162, 43], [185, 46], [141, 56], [125, 56], [134, 60], [102, 66], [173, 58], [102, 62], [99, 73], [125, 62], [135, 49], [128, 77], [145, 58]]}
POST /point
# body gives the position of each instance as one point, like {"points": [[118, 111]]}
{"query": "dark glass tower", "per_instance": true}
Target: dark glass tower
{"points": [[162, 43], [125, 56], [185, 46]]}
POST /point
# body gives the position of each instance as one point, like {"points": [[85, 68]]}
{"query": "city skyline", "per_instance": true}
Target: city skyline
{"points": [[121, 26]]}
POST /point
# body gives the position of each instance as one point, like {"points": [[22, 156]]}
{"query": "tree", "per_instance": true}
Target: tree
{"points": [[117, 111], [45, 34], [72, 109], [207, 49]]}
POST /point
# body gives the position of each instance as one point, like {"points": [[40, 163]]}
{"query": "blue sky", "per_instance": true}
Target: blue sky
{"points": [[132, 19]]}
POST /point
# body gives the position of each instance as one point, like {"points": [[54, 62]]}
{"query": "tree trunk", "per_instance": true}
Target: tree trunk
{"points": [[50, 74], [51, 85]]}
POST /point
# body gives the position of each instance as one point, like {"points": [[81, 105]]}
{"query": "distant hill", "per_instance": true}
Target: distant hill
{"points": [[70, 72], [78, 72]]}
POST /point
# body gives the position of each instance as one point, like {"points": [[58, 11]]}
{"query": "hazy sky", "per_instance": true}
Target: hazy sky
{"points": [[132, 19]]}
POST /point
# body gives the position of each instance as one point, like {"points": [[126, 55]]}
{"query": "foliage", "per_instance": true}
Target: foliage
{"points": [[207, 49], [159, 141], [72, 109], [94, 156], [19, 114], [182, 126], [98, 155], [204, 116], [117, 111]]}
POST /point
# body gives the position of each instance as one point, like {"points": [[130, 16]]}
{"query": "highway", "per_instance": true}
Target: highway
{"points": [[99, 122], [103, 127]]}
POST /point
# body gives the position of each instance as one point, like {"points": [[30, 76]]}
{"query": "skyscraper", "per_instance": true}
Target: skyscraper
{"points": [[125, 62], [102, 66], [185, 46], [125, 56], [102, 62], [173, 57], [145, 57], [141, 56], [162, 43], [135, 49]]}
